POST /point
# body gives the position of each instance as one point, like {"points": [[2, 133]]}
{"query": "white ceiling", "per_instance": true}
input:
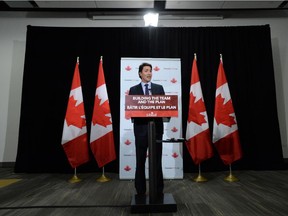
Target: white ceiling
{"points": [[167, 9], [216, 4], [96, 4], [143, 4]]}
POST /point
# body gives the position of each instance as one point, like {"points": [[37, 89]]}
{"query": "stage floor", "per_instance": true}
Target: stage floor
{"points": [[256, 193]]}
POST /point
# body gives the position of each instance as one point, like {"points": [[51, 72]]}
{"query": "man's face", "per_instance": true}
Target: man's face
{"points": [[146, 74]]}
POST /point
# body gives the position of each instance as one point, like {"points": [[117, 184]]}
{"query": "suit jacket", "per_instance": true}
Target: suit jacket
{"points": [[140, 124]]}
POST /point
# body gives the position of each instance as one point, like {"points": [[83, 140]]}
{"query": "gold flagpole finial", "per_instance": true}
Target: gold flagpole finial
{"points": [[195, 56]]}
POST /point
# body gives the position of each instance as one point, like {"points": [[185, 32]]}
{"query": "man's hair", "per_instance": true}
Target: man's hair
{"points": [[142, 66]]}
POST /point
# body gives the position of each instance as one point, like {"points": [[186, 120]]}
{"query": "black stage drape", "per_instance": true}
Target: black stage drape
{"points": [[50, 58]]}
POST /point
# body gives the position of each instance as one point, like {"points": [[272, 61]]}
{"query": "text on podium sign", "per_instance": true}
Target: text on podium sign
{"points": [[151, 106]]}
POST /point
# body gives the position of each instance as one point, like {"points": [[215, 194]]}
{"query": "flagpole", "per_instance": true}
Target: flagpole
{"points": [[200, 178], [231, 177], [75, 178], [103, 178]]}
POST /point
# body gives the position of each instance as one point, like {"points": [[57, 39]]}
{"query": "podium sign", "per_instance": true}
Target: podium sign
{"points": [[151, 106]]}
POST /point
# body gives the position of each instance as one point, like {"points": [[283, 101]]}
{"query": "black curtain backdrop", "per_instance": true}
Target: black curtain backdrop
{"points": [[50, 59]]}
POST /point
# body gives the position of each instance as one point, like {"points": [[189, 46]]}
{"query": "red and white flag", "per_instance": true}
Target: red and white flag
{"points": [[225, 129], [101, 137], [197, 133], [74, 137]]}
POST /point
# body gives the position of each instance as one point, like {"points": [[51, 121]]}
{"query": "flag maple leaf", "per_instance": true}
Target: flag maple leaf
{"points": [[75, 113], [101, 112], [195, 113], [224, 111]]}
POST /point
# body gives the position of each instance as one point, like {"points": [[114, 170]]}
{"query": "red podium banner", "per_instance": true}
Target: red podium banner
{"points": [[151, 106]]}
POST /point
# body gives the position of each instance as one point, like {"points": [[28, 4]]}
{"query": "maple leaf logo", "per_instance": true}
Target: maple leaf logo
{"points": [[75, 114], [156, 68], [101, 111], [173, 80], [195, 111], [127, 168], [128, 68], [224, 111], [175, 155], [127, 142], [174, 129]]}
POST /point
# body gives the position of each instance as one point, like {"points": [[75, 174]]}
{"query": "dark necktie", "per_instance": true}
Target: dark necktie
{"points": [[146, 89]]}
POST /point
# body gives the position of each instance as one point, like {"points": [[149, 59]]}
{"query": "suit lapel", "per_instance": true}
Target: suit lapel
{"points": [[140, 89], [153, 90]]}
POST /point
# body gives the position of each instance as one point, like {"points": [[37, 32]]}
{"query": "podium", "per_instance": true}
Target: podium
{"points": [[152, 203]]}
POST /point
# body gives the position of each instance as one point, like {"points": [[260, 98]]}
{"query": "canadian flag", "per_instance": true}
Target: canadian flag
{"points": [[101, 137], [225, 129], [74, 137], [197, 133]]}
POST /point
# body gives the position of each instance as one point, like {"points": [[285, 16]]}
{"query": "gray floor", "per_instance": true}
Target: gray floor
{"points": [[256, 193]]}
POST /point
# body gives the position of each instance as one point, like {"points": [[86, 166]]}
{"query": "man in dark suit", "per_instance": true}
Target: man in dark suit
{"points": [[146, 87]]}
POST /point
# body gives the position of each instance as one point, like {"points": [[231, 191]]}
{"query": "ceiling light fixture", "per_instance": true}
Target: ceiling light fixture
{"points": [[151, 19]]}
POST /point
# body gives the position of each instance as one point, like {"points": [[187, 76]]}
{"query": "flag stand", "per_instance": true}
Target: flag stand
{"points": [[200, 178], [230, 177], [103, 178], [74, 179]]}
